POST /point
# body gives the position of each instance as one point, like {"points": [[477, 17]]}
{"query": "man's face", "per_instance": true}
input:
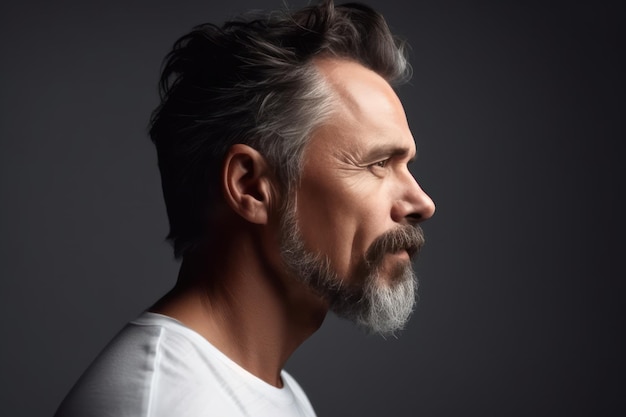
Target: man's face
{"points": [[351, 226]]}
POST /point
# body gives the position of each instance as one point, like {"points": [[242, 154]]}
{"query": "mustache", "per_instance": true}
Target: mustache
{"points": [[407, 237]]}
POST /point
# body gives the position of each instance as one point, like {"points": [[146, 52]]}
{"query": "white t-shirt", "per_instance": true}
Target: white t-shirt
{"points": [[157, 367]]}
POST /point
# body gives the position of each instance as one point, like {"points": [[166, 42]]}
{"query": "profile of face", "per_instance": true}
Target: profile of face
{"points": [[350, 227]]}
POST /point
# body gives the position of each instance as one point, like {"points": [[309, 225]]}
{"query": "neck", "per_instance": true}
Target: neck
{"points": [[242, 303]]}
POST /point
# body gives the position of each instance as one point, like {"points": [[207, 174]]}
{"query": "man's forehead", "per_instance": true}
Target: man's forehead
{"points": [[365, 106], [357, 89]]}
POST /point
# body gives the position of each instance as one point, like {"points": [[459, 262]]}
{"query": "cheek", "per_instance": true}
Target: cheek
{"points": [[327, 223], [340, 223]]}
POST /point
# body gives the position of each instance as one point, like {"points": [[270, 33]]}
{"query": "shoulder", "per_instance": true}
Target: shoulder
{"points": [[154, 366]]}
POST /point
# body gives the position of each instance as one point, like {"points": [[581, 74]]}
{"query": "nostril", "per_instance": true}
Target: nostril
{"points": [[414, 218]]}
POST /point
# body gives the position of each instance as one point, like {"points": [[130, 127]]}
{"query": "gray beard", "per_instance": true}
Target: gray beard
{"points": [[375, 304]]}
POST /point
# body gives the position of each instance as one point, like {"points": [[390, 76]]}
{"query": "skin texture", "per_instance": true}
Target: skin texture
{"points": [[355, 186]]}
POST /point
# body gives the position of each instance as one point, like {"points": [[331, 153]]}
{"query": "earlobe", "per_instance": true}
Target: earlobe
{"points": [[246, 183]]}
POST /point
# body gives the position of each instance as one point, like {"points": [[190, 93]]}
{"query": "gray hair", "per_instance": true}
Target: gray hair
{"points": [[253, 81]]}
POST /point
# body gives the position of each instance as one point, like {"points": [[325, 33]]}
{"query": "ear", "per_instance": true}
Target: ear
{"points": [[247, 183]]}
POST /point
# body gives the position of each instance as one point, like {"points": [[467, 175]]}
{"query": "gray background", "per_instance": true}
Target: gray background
{"points": [[517, 108]]}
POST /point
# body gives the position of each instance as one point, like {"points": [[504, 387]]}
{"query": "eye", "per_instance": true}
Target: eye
{"points": [[380, 164]]}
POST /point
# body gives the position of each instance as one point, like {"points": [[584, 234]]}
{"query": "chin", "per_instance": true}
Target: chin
{"points": [[394, 270]]}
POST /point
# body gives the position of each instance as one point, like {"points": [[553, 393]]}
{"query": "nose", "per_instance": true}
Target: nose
{"points": [[414, 206]]}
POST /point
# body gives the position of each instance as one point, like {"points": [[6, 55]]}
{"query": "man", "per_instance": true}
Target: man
{"points": [[283, 153]]}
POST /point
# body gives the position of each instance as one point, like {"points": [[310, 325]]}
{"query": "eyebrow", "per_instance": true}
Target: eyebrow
{"points": [[388, 151]]}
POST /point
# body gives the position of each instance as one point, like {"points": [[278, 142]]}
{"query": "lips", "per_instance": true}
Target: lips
{"points": [[412, 250]]}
